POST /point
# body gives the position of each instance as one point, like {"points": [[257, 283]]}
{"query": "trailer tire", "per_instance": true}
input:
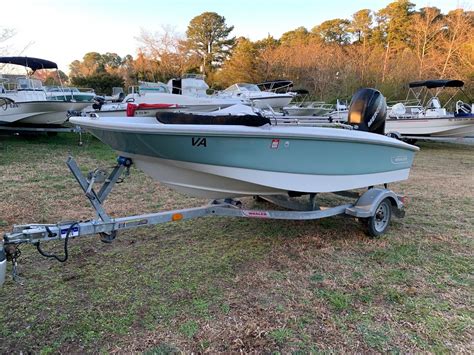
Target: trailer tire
{"points": [[378, 224]]}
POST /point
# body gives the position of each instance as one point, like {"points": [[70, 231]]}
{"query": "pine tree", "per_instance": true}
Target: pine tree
{"points": [[208, 37]]}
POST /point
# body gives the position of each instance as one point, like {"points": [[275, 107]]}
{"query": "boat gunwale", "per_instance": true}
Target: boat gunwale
{"points": [[264, 132]]}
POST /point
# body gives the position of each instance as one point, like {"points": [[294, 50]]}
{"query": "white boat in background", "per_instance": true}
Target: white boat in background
{"points": [[314, 108], [148, 98], [260, 99], [60, 93], [26, 102], [428, 118]]}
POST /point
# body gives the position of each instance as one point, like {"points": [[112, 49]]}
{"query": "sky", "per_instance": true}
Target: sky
{"points": [[64, 30]]}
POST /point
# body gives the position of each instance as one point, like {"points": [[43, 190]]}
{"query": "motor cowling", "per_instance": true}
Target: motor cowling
{"points": [[98, 102], [368, 111]]}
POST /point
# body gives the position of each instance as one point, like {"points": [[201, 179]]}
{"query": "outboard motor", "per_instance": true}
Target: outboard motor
{"points": [[367, 111], [98, 102]]}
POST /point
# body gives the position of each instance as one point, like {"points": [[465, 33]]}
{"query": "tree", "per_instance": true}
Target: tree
{"points": [[208, 38], [393, 23], [51, 78], [360, 26], [91, 63], [334, 31], [102, 71], [425, 28], [241, 66], [392, 29], [165, 54], [101, 82], [298, 35], [458, 35]]}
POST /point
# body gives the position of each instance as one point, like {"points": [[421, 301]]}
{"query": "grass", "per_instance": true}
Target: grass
{"points": [[228, 285]]}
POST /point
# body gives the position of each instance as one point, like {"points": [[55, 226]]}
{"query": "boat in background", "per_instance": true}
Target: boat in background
{"points": [[301, 105], [60, 93], [27, 104], [258, 98], [148, 98], [424, 116], [224, 156]]}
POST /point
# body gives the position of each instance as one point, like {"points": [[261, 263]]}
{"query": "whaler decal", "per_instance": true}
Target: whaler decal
{"points": [[275, 143], [256, 214], [399, 159], [199, 142]]}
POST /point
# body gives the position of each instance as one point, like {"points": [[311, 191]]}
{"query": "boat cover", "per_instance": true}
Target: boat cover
{"points": [[431, 84], [189, 118], [30, 62]]}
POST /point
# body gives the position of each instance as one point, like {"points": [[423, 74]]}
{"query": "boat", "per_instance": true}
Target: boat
{"points": [[314, 108], [424, 116], [27, 104], [302, 106], [59, 93], [225, 156], [184, 94], [260, 99]]}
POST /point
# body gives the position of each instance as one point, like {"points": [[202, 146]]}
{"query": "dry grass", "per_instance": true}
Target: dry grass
{"points": [[222, 284]]}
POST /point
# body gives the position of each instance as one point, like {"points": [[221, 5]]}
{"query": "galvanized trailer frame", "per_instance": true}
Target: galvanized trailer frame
{"points": [[13, 130], [374, 207]]}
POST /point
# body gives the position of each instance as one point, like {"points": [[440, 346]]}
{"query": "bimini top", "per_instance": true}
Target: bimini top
{"points": [[431, 84], [30, 62]]}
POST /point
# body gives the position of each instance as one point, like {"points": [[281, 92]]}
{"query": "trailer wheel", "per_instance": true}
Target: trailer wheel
{"points": [[380, 221]]}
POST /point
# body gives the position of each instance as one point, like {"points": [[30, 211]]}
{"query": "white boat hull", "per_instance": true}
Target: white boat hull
{"points": [[37, 113], [274, 101], [435, 127], [215, 182]]}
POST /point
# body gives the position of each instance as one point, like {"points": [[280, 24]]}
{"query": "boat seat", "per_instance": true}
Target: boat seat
{"points": [[189, 118]]}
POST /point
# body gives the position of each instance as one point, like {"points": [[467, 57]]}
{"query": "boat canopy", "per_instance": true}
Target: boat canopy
{"points": [[431, 84], [30, 62]]}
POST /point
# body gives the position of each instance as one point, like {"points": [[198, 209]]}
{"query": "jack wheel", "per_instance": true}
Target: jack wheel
{"points": [[108, 237]]}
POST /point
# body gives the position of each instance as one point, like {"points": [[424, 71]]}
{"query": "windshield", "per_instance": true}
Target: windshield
{"points": [[242, 87], [29, 84], [152, 87], [248, 87], [60, 89]]}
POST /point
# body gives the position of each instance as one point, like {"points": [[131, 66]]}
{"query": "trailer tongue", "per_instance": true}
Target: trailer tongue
{"points": [[374, 207]]}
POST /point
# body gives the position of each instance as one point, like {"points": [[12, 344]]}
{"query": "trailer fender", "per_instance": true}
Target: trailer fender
{"points": [[367, 204]]}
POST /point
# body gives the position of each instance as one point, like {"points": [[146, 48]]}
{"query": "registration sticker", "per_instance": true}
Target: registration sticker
{"points": [[275, 143]]}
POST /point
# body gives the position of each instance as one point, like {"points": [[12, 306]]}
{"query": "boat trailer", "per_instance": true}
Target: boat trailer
{"points": [[18, 131], [373, 208]]}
